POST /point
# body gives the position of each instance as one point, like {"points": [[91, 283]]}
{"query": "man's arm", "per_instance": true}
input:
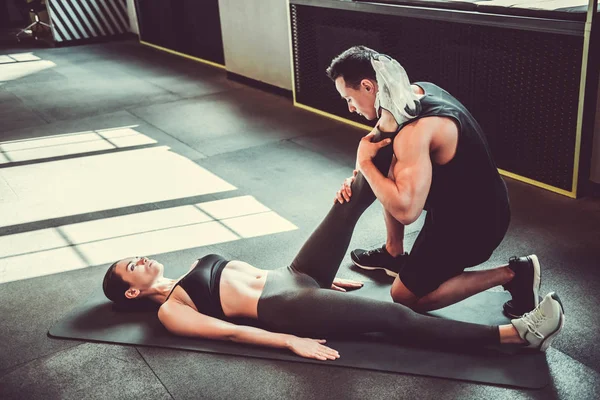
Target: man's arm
{"points": [[404, 197]]}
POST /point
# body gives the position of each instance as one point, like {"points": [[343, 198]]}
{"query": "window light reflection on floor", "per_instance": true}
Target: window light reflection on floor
{"points": [[72, 143], [17, 70], [84, 244], [81, 185], [44, 188]]}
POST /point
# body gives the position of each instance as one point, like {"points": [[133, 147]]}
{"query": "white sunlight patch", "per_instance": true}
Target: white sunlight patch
{"points": [[6, 59], [13, 71], [30, 242], [161, 241], [100, 182], [150, 233], [133, 224], [42, 263], [259, 224], [24, 57], [236, 207], [72, 143]]}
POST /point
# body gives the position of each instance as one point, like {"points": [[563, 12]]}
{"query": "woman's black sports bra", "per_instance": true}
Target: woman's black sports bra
{"points": [[202, 285]]}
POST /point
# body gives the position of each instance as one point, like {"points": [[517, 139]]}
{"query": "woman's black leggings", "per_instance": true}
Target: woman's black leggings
{"points": [[297, 299]]}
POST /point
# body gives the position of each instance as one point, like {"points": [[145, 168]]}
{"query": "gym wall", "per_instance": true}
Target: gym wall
{"points": [[133, 25], [595, 169], [256, 40]]}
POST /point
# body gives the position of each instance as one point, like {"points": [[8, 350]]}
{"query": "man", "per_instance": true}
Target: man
{"points": [[442, 163]]}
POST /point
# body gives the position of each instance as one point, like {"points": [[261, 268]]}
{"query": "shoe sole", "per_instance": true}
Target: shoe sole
{"points": [[387, 271], [537, 279], [548, 341]]}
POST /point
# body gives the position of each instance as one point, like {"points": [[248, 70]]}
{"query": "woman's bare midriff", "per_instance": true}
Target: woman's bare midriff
{"points": [[240, 289]]}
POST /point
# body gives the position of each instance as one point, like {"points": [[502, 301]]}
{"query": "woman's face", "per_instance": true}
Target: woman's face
{"points": [[139, 272]]}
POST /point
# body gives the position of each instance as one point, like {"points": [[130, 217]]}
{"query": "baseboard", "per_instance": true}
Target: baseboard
{"points": [[267, 87], [101, 39]]}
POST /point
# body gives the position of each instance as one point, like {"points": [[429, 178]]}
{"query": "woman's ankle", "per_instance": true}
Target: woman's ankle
{"points": [[510, 335]]}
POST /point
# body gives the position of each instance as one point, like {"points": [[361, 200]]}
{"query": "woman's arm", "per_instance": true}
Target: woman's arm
{"points": [[182, 320]]}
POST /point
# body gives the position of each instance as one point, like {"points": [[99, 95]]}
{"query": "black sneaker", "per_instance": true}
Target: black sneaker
{"points": [[509, 309], [524, 287], [378, 259]]}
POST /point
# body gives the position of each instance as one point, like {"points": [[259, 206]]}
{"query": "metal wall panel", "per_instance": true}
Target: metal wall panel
{"points": [[522, 86], [87, 19]]}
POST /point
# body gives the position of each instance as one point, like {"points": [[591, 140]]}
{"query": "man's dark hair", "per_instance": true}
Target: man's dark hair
{"points": [[353, 65], [114, 286]]}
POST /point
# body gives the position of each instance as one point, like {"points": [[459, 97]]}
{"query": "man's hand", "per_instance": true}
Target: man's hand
{"points": [[367, 150], [345, 192], [342, 284]]}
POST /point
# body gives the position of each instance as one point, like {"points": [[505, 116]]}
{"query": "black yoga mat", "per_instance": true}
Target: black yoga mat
{"points": [[95, 320]]}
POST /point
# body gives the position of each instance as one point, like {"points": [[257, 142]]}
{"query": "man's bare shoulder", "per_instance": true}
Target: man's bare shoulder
{"points": [[422, 127], [437, 135]]}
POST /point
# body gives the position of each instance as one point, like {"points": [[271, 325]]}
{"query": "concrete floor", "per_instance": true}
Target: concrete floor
{"points": [[104, 147]]}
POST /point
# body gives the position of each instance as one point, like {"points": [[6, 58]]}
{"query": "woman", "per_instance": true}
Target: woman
{"points": [[297, 300]]}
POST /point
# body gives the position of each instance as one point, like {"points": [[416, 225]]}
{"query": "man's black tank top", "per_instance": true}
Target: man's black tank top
{"points": [[202, 285], [469, 186]]}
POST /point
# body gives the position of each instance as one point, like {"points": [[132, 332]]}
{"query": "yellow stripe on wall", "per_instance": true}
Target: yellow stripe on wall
{"points": [[542, 185], [572, 193], [512, 175], [332, 116], [211, 63]]}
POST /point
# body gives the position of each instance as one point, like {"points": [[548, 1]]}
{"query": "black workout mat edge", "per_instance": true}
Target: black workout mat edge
{"points": [[96, 321]]}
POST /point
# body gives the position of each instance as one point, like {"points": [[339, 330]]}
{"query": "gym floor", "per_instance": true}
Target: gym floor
{"points": [[103, 147]]}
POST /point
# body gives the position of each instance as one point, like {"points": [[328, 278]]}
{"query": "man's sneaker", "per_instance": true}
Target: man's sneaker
{"points": [[540, 326], [524, 287], [509, 309], [379, 259]]}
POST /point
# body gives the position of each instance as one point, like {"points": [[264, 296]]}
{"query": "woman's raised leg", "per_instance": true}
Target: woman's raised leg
{"points": [[322, 253]]}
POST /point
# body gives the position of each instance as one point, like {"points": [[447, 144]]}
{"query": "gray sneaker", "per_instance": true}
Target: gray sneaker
{"points": [[539, 327]]}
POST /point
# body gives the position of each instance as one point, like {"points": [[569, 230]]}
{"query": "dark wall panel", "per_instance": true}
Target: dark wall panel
{"points": [[522, 86], [191, 27]]}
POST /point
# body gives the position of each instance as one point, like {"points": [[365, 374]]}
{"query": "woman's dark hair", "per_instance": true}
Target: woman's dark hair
{"points": [[353, 65], [114, 286], [114, 289]]}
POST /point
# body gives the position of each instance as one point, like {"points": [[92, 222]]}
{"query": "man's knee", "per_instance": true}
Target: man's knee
{"points": [[402, 295]]}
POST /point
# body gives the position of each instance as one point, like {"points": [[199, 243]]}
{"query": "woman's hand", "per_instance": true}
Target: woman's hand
{"points": [[345, 192], [311, 348], [341, 285]]}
